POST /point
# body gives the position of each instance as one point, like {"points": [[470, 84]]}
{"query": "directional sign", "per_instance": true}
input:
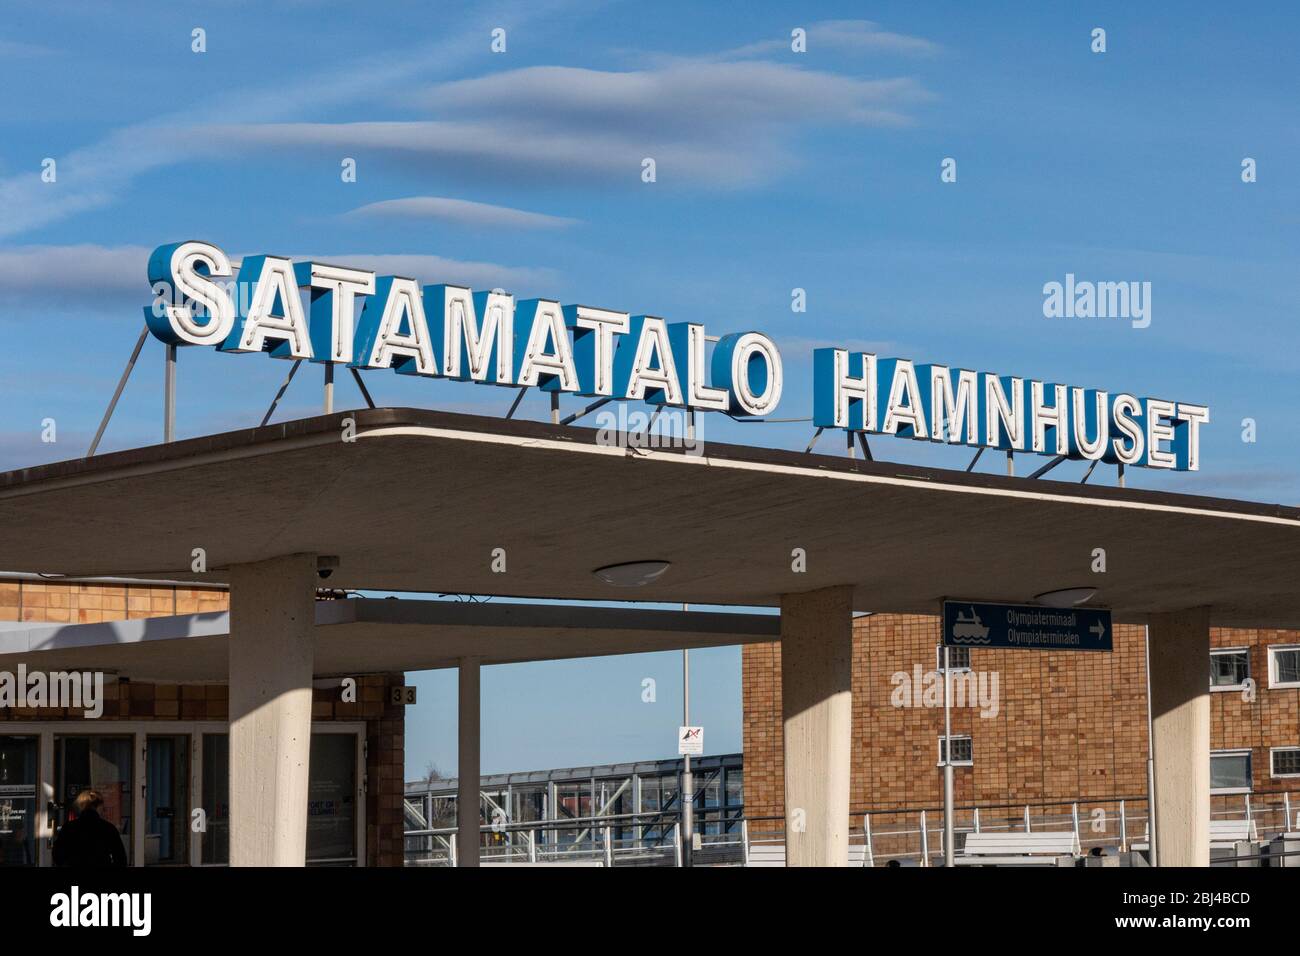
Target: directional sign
{"points": [[1026, 627]]}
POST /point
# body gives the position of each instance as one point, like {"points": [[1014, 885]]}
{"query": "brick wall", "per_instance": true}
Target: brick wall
{"points": [[85, 603], [1069, 725]]}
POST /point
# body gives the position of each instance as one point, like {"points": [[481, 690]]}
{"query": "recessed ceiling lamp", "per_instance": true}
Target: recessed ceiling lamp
{"points": [[633, 574], [1065, 597]]}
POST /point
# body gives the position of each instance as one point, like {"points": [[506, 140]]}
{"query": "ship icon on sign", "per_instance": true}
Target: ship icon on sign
{"points": [[969, 630]]}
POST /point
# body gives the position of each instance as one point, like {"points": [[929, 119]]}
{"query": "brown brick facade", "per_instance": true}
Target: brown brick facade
{"points": [[90, 602], [1069, 725]]}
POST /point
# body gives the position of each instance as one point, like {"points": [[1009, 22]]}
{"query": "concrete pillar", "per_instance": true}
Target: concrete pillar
{"points": [[272, 624], [1180, 735], [467, 764], [816, 703]]}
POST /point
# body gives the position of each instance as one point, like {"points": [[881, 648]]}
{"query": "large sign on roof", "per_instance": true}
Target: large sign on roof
{"points": [[859, 392], [451, 331], [356, 318]]}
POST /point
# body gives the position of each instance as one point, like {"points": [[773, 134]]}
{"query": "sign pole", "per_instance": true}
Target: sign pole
{"points": [[329, 388], [947, 763], [1152, 848], [688, 785], [169, 396]]}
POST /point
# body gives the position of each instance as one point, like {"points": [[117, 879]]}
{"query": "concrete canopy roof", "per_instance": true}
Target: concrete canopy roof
{"points": [[370, 635], [419, 501]]}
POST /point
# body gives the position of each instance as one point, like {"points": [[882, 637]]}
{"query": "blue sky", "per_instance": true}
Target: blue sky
{"points": [[775, 170]]}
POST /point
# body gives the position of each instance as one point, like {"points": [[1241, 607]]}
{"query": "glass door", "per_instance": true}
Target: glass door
{"points": [[167, 770], [100, 763], [215, 840], [331, 800], [18, 768]]}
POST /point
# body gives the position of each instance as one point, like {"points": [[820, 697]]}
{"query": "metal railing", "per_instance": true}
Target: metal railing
{"points": [[894, 836], [628, 839]]}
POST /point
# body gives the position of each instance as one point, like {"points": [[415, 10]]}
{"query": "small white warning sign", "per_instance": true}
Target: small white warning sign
{"points": [[690, 741]]}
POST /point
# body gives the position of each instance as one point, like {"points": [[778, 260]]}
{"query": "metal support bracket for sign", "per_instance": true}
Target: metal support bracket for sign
{"points": [[816, 435], [117, 393], [570, 419], [866, 449], [1088, 474], [979, 451], [651, 423], [280, 394], [523, 389], [365, 392], [1048, 467]]}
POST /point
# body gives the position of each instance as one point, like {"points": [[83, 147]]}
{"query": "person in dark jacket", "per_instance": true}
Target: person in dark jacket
{"points": [[88, 839]]}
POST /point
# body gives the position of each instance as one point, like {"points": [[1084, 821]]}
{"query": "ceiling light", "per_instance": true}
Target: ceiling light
{"points": [[633, 574], [1065, 597]]}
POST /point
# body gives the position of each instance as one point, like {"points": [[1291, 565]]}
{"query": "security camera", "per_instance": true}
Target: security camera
{"points": [[325, 565]]}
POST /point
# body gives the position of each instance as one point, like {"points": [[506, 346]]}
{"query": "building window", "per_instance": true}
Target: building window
{"points": [[735, 787], [1230, 771], [963, 751], [1229, 669], [1286, 761], [1284, 666], [959, 657]]}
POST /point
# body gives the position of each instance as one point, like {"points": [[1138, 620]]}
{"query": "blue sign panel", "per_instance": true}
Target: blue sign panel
{"points": [[1026, 627]]}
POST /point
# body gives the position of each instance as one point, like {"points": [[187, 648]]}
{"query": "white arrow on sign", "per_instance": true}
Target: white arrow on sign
{"points": [[1099, 629]]}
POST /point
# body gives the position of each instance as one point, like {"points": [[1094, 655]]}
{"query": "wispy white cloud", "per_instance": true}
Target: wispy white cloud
{"points": [[113, 276], [682, 97], [854, 36], [77, 272], [462, 212], [731, 120], [723, 124], [97, 174]]}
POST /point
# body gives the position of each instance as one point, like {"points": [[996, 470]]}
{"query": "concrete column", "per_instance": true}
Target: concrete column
{"points": [[816, 703], [1180, 732], [467, 764], [272, 624]]}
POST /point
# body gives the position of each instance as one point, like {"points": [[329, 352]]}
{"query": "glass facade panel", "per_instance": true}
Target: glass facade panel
{"points": [[331, 798], [167, 767], [18, 768], [216, 798], [95, 763]]}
